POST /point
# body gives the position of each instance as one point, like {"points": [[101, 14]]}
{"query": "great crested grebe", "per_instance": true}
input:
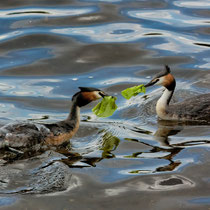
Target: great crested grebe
{"points": [[21, 135], [193, 109]]}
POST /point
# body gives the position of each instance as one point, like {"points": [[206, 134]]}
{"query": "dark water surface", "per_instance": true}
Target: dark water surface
{"points": [[129, 160]]}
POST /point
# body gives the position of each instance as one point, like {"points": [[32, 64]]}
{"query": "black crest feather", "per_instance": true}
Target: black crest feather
{"points": [[163, 72], [88, 89], [167, 68]]}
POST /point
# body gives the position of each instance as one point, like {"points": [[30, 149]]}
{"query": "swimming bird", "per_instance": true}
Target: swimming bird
{"points": [[27, 134], [196, 109]]}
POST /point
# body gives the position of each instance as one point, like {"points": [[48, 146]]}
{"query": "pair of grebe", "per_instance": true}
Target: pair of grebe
{"points": [[28, 134]]}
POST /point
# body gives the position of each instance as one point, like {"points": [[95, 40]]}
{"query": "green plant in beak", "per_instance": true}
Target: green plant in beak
{"points": [[106, 107], [133, 91]]}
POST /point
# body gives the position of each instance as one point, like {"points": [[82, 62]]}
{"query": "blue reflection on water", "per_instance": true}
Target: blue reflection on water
{"points": [[205, 200], [5, 201], [105, 32], [118, 173], [193, 4], [23, 57], [122, 31], [174, 18]]}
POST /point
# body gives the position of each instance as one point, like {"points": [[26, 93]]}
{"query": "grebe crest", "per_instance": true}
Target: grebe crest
{"points": [[193, 109]]}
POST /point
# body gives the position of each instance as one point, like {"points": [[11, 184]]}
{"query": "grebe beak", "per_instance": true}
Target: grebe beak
{"points": [[152, 82], [102, 94]]}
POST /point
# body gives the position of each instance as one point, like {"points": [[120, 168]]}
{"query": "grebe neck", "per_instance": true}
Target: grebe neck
{"points": [[163, 103], [74, 115]]}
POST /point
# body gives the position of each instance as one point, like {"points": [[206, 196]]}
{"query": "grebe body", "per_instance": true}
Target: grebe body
{"points": [[195, 109], [20, 135]]}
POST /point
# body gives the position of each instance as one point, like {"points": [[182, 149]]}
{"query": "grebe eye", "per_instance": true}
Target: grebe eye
{"points": [[157, 80]]}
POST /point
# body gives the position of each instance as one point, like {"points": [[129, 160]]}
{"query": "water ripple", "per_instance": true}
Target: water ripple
{"points": [[171, 17], [193, 4], [113, 32], [14, 58], [49, 12]]}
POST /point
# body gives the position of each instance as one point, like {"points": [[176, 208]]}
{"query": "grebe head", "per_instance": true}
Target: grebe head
{"points": [[87, 95], [164, 78]]}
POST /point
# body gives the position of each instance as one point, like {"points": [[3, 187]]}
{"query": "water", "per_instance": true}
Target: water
{"points": [[130, 160]]}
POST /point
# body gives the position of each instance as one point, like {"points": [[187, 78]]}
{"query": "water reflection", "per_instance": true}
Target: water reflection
{"points": [[6, 201], [110, 144], [10, 35], [166, 129], [193, 4], [163, 154], [157, 152], [112, 32], [49, 12], [132, 32], [169, 182], [15, 58], [165, 150], [170, 17]]}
